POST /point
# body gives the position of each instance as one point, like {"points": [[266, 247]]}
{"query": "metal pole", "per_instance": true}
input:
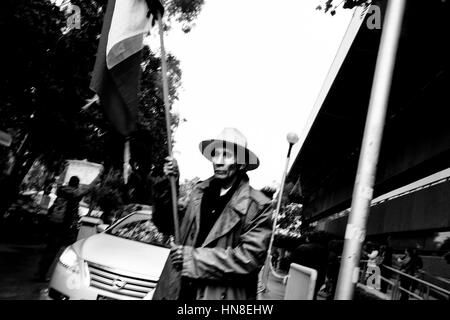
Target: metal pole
{"points": [[373, 133], [126, 160], [168, 127], [292, 139]]}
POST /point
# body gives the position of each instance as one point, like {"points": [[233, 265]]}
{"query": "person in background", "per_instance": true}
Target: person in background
{"points": [[386, 261], [408, 264], [62, 222], [275, 258], [372, 255], [372, 264], [335, 251], [313, 254], [285, 260], [365, 250], [418, 273]]}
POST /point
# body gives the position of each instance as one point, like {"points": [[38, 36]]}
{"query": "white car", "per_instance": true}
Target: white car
{"points": [[122, 262]]}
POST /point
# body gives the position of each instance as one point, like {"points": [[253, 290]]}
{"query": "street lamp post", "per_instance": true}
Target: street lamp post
{"points": [[165, 83], [292, 139]]}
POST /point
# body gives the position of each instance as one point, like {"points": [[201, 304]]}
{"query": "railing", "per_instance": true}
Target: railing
{"points": [[417, 288], [426, 290]]}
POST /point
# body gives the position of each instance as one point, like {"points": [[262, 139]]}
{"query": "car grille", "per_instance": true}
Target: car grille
{"points": [[119, 282]]}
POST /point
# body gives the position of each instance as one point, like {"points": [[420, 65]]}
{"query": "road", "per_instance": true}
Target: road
{"points": [[18, 264]]}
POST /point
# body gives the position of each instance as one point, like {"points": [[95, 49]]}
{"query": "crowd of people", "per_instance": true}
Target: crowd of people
{"points": [[322, 252], [319, 251], [409, 263]]}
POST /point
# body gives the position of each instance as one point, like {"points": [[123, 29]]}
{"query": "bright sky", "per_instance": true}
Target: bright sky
{"points": [[256, 65]]}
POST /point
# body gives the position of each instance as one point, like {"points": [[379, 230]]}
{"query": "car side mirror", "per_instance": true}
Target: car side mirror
{"points": [[102, 227]]}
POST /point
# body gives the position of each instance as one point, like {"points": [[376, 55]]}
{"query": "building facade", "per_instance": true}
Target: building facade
{"points": [[412, 189]]}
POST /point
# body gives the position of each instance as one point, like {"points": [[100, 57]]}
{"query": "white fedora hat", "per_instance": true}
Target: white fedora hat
{"points": [[232, 139]]}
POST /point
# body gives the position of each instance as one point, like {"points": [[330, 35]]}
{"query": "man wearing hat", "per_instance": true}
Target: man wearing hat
{"points": [[225, 231]]}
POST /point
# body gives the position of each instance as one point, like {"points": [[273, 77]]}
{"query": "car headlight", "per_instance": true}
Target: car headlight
{"points": [[69, 258]]}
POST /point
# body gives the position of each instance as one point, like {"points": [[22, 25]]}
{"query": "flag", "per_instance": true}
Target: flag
{"points": [[117, 68]]}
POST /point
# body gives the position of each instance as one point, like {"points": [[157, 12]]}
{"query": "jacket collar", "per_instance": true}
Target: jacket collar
{"points": [[230, 217], [241, 198]]}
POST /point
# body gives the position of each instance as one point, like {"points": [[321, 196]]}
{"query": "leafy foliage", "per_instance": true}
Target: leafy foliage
{"points": [[291, 218], [183, 11], [185, 191], [331, 6], [36, 177], [45, 83]]}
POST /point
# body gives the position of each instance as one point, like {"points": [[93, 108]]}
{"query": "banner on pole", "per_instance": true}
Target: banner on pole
{"points": [[117, 69]]}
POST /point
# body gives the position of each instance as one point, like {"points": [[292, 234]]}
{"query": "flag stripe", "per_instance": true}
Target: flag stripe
{"points": [[128, 25], [99, 74]]}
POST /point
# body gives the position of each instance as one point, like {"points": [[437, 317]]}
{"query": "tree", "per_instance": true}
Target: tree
{"points": [[30, 29], [183, 11], [45, 83], [185, 191], [291, 218], [331, 6]]}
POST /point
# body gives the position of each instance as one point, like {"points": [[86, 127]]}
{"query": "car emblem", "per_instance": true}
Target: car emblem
{"points": [[119, 283]]}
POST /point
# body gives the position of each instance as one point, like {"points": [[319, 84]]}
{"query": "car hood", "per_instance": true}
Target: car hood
{"points": [[142, 259]]}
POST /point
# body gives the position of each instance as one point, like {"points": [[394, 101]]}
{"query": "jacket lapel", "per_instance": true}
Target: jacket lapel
{"points": [[231, 215], [194, 214], [187, 229]]}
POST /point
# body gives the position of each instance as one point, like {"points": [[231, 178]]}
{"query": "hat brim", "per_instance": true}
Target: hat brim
{"points": [[244, 155]]}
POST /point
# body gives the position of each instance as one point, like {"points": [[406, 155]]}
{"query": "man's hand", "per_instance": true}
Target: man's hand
{"points": [[176, 256], [171, 167]]}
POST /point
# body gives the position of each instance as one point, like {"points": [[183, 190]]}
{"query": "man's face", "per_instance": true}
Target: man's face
{"points": [[224, 164]]}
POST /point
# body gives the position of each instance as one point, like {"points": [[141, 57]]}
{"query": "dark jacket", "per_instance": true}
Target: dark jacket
{"points": [[227, 264], [411, 264]]}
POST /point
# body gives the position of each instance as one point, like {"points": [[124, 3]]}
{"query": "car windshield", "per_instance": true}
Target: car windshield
{"points": [[139, 227]]}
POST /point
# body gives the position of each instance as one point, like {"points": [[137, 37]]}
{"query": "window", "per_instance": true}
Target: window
{"points": [[139, 227]]}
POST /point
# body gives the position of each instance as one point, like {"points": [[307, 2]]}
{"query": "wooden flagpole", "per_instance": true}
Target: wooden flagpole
{"points": [[168, 127], [126, 160]]}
